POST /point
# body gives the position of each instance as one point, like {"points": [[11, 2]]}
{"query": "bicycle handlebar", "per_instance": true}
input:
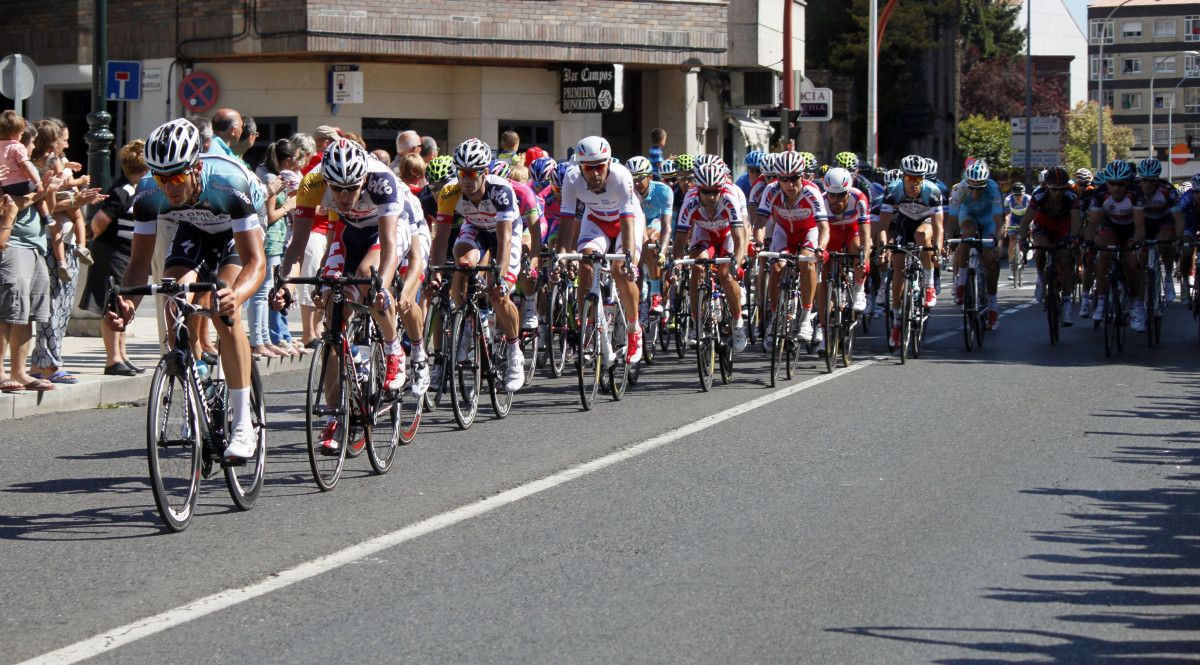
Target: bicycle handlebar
{"points": [[704, 262], [984, 243], [783, 256], [168, 287]]}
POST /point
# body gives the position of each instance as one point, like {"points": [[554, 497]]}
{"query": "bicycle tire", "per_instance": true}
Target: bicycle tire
{"points": [[382, 417], [829, 328], [791, 348], [848, 334], [174, 479], [1151, 302], [558, 333], [706, 357], [1122, 314], [968, 311], [496, 360], [466, 377], [1051, 298], [725, 344], [906, 315], [683, 319], [435, 328], [588, 363], [779, 332], [981, 313], [245, 480], [326, 468]]}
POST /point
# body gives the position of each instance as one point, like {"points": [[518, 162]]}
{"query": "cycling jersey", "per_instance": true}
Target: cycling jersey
{"points": [[551, 200], [910, 212], [844, 226], [227, 201], [528, 205], [659, 201], [1163, 202], [712, 233], [356, 231], [1049, 217], [982, 209], [606, 208], [380, 197], [863, 185], [1190, 204], [497, 205], [796, 224], [754, 199], [1116, 216], [308, 197], [1016, 206]]}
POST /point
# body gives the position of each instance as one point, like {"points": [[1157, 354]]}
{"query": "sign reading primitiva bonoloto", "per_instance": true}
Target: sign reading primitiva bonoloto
{"points": [[591, 88]]}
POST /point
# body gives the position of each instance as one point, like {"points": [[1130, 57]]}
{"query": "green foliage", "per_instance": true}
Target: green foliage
{"points": [[991, 27], [1080, 136], [990, 139]]}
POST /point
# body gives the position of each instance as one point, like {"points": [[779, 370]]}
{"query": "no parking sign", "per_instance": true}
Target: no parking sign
{"points": [[198, 91]]}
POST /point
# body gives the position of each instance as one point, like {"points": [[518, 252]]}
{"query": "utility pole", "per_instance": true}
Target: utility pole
{"points": [[1029, 95], [786, 114], [873, 86], [99, 138]]}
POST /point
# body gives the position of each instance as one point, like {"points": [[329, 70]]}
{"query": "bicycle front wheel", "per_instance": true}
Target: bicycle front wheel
{"points": [[559, 325], [245, 479], [467, 378], [779, 335], [500, 398], [173, 442], [706, 351], [382, 417], [321, 410], [587, 357], [969, 313], [437, 343], [831, 326], [906, 325]]}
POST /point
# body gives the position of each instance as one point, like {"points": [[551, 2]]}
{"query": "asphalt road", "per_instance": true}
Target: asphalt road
{"points": [[1023, 503]]}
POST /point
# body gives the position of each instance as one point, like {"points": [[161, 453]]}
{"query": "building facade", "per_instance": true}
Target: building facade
{"points": [[1058, 46], [447, 68], [1151, 70]]}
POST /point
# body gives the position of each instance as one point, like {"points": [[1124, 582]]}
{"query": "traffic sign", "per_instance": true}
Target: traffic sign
{"points": [[816, 105], [1181, 154], [18, 77], [1041, 159], [123, 80], [1041, 125], [198, 91]]}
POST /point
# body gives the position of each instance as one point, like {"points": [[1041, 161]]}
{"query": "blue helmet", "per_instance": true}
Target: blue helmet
{"points": [[1196, 180], [499, 167], [754, 159], [1118, 171], [1149, 168], [559, 173], [541, 168]]}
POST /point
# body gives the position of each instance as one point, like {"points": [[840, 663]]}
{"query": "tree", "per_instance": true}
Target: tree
{"points": [[989, 139], [1080, 136], [990, 27], [995, 87]]}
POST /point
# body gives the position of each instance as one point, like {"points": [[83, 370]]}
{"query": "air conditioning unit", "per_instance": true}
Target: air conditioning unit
{"points": [[754, 89]]}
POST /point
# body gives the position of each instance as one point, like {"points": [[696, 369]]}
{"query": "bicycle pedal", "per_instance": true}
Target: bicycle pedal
{"points": [[232, 462]]}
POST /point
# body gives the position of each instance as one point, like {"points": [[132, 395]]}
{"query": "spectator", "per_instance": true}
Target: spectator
{"points": [[406, 142], [248, 139], [309, 240], [509, 143], [227, 130], [322, 137], [24, 282], [429, 149], [65, 240], [412, 172], [206, 133], [112, 233], [21, 177], [280, 162], [381, 155], [658, 142]]}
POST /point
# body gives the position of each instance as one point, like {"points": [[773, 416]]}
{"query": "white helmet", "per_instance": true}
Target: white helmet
{"points": [[639, 166], [709, 174], [838, 180], [914, 165], [593, 149], [978, 172], [789, 163], [344, 163], [472, 154], [173, 146]]}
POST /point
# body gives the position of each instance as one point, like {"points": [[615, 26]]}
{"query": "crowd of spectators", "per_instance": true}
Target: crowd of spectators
{"points": [[49, 246]]}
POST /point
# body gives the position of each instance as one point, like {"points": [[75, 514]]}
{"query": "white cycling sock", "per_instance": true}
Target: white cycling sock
{"points": [[239, 405], [418, 350], [393, 347]]}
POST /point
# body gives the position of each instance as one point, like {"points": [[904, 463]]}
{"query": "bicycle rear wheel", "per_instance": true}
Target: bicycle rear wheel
{"points": [[382, 415], [559, 322], [683, 320], [832, 325], [725, 344], [173, 445], [848, 335], [326, 464], [245, 479], [467, 379], [779, 335], [588, 363], [500, 398], [619, 370], [906, 325], [1051, 300]]}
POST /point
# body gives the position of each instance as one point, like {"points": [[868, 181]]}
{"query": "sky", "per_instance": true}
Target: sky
{"points": [[1078, 10]]}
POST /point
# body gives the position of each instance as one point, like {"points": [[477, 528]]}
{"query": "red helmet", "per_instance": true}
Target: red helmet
{"points": [[1057, 177], [533, 153]]}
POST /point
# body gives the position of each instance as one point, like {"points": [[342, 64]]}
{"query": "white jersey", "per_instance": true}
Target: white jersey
{"points": [[605, 208]]}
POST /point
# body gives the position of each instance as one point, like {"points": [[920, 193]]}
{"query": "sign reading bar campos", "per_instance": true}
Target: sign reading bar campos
{"points": [[591, 88]]}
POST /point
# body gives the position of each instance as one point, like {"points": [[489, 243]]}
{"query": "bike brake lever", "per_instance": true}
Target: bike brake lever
{"points": [[217, 303]]}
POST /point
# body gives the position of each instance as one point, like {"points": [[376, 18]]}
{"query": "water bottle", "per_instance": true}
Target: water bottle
{"points": [[607, 321], [201, 371], [361, 364], [486, 330]]}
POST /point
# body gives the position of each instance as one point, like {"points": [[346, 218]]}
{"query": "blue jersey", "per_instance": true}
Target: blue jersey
{"points": [[230, 198], [926, 204], [1190, 203], [744, 184], [990, 202], [659, 201]]}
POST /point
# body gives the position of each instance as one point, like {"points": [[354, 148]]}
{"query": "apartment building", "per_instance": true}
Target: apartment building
{"points": [[447, 68], [1151, 70]]}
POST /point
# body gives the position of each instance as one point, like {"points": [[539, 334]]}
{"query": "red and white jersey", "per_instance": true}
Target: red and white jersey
{"points": [[729, 213], [605, 208], [808, 209], [756, 193], [857, 211]]}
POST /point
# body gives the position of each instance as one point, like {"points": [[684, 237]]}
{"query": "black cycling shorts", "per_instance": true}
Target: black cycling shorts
{"points": [[190, 247]]}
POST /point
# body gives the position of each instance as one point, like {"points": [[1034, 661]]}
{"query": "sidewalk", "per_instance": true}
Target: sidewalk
{"points": [[85, 359]]}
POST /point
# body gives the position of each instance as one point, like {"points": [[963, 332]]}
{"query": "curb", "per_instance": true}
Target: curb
{"points": [[91, 394]]}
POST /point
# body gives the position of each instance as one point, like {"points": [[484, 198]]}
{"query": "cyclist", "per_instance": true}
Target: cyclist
{"points": [[912, 213], [1053, 216], [979, 214], [656, 200], [849, 161], [1164, 217], [1015, 206], [798, 224], [609, 224], [491, 228], [1189, 203], [530, 208], [712, 224], [219, 213], [1082, 180], [849, 224], [753, 173], [1117, 216], [810, 169]]}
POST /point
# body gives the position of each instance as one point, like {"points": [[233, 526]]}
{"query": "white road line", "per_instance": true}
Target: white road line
{"points": [[202, 607]]}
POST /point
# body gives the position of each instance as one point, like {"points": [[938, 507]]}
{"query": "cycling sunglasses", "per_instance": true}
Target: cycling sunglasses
{"points": [[837, 195], [978, 184], [593, 167], [710, 191], [345, 189], [469, 174], [789, 178], [174, 179]]}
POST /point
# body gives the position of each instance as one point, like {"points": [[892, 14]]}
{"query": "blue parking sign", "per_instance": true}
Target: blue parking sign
{"points": [[123, 80]]}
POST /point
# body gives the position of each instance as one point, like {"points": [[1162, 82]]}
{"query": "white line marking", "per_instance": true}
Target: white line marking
{"points": [[202, 607]]}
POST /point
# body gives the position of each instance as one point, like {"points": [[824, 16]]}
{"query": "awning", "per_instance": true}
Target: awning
{"points": [[756, 133]]}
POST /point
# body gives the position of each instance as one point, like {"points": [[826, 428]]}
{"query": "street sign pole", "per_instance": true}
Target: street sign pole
{"points": [[99, 138]]}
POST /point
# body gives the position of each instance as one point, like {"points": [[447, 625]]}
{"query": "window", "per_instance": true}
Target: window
{"points": [[1131, 101], [1108, 67], [1191, 65], [1131, 66], [1191, 135], [539, 133], [1139, 135], [1191, 29], [1108, 97], [1164, 65], [1162, 135], [1163, 100], [380, 133], [1164, 28], [1131, 29], [1191, 100], [1102, 31]]}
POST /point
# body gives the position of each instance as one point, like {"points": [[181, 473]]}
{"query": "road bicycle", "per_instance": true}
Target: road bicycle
{"points": [[651, 322], [601, 343], [914, 315], [1116, 307], [1052, 300], [841, 321], [346, 386], [679, 311], [188, 422], [974, 301], [784, 325], [560, 315], [714, 324], [1155, 297]]}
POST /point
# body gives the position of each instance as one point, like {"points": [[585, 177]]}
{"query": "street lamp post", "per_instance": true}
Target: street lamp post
{"points": [[1029, 95], [99, 138], [1171, 119], [873, 86], [1100, 84], [1152, 75]]}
